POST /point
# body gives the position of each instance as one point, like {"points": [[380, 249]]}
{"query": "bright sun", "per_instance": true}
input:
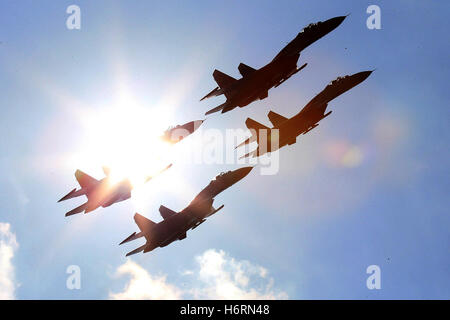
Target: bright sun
{"points": [[126, 139]]}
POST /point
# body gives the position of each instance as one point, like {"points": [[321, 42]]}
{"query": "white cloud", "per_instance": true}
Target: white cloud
{"points": [[142, 285], [216, 276], [8, 245], [223, 277]]}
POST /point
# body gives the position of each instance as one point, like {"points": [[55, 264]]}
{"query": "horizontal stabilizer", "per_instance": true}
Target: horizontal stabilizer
{"points": [[216, 109], [254, 126], [222, 79], [143, 223], [70, 195], [247, 141], [276, 118], [77, 210], [252, 154], [215, 92], [141, 248], [245, 70], [132, 237], [228, 108], [166, 212]]}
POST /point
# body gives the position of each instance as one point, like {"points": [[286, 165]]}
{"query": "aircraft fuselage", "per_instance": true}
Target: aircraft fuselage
{"points": [[170, 229], [256, 85], [105, 194]]}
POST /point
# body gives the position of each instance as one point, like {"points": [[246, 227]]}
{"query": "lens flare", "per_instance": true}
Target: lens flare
{"points": [[343, 154]]}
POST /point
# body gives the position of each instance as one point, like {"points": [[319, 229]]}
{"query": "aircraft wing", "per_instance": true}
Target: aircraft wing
{"points": [[245, 70], [276, 118], [254, 126], [85, 180], [143, 223], [214, 93], [222, 79], [166, 212], [77, 210], [137, 250]]}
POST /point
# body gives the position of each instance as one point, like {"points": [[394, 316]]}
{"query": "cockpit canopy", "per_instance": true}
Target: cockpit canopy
{"points": [[310, 27], [337, 80]]}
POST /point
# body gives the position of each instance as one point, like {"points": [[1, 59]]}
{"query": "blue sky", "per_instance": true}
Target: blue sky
{"points": [[369, 186]]}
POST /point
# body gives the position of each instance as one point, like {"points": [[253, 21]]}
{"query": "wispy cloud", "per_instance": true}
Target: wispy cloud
{"points": [[217, 276], [8, 245]]}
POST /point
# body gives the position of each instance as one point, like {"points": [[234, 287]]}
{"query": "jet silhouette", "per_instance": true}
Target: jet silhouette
{"points": [[255, 83], [175, 225], [100, 193], [304, 121]]}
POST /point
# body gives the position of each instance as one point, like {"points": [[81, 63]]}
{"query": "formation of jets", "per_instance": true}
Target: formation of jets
{"points": [[254, 85]]}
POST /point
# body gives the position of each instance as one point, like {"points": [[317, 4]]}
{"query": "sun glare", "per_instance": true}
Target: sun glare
{"points": [[126, 139]]}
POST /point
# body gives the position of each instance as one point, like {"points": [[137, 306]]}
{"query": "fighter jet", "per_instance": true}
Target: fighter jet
{"points": [[303, 122], [175, 225], [100, 193], [255, 83], [176, 134]]}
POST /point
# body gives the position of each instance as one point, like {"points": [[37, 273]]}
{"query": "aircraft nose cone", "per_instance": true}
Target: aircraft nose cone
{"points": [[244, 171], [337, 20], [331, 24], [365, 74]]}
